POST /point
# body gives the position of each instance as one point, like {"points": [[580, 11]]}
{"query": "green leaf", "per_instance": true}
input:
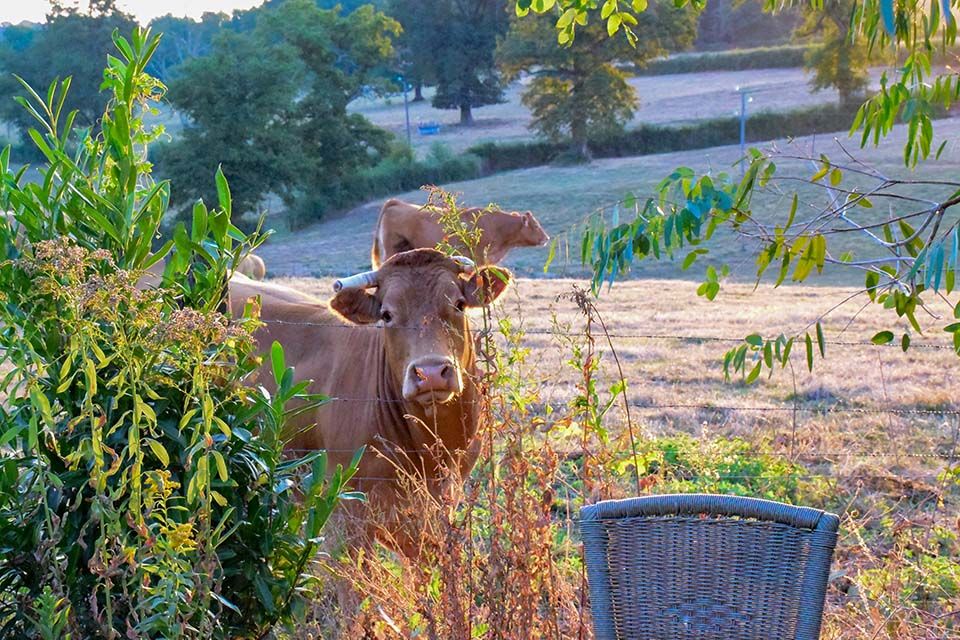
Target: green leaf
{"points": [[821, 343], [754, 339], [160, 452], [223, 192], [905, 342], [221, 465], [871, 282], [793, 212], [755, 372], [9, 435], [613, 24], [566, 19], [809, 344], [550, 255], [277, 361], [883, 337]]}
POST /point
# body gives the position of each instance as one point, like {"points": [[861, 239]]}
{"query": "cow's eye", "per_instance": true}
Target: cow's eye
{"points": [[386, 316], [461, 305]]}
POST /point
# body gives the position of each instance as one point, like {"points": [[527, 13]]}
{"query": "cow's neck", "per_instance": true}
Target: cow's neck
{"points": [[411, 429], [507, 235]]}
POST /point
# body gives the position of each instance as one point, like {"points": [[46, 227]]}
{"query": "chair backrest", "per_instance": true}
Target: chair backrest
{"points": [[706, 567]]}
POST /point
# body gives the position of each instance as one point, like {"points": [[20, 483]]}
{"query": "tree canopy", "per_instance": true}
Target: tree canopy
{"points": [[838, 60], [72, 43], [452, 42], [183, 39], [285, 87], [578, 90]]}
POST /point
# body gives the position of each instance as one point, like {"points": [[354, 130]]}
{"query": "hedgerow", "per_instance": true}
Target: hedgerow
{"points": [[650, 139], [783, 56]]}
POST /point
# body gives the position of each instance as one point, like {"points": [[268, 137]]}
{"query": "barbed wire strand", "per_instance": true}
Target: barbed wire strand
{"points": [[615, 334]]}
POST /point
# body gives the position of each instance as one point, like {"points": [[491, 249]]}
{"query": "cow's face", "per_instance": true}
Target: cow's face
{"points": [[531, 232], [422, 298]]}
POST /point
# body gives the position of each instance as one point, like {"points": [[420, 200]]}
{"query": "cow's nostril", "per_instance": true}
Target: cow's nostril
{"points": [[446, 372]]}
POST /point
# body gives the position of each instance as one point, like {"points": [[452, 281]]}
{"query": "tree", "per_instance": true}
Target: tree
{"points": [[71, 43], [270, 107], [417, 45], [341, 56], [183, 39], [453, 42], [578, 90], [838, 61], [740, 24], [239, 102]]}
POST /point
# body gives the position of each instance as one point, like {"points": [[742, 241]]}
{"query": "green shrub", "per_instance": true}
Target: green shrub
{"points": [[399, 171], [783, 56], [734, 466], [143, 491], [497, 157]]}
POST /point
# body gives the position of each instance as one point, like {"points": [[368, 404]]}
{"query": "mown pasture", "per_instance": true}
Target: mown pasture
{"points": [[673, 99], [563, 197]]}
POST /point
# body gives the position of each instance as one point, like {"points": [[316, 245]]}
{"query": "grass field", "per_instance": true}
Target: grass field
{"points": [[561, 197], [666, 100]]}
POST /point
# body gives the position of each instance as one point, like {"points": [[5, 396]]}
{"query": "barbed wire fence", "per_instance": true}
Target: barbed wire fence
{"points": [[792, 413]]}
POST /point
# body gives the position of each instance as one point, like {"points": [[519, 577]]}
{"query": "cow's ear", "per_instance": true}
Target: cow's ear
{"points": [[526, 218], [356, 305], [485, 285]]}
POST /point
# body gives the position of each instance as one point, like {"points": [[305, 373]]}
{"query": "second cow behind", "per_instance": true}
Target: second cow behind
{"points": [[403, 226]]}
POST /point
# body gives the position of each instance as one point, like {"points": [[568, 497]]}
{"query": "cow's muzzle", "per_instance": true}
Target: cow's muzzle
{"points": [[432, 380]]}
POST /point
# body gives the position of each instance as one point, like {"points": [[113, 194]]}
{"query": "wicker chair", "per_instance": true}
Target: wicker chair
{"points": [[706, 567]]}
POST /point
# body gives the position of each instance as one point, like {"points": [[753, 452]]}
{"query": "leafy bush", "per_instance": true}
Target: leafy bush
{"points": [[508, 156], [649, 139], [143, 491], [399, 171], [783, 56]]}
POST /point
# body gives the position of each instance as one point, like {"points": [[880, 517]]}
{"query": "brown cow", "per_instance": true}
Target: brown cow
{"points": [[394, 349], [252, 266], [403, 226]]}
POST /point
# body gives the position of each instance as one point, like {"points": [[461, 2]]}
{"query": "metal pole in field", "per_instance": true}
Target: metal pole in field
{"points": [[406, 109], [744, 99]]}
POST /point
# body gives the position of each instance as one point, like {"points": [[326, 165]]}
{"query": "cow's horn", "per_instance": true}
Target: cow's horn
{"points": [[363, 280], [466, 264]]}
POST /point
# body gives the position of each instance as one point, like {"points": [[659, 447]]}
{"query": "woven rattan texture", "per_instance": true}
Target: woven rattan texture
{"points": [[707, 576]]}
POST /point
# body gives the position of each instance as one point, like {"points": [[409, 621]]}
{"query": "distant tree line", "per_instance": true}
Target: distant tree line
{"points": [[264, 92]]}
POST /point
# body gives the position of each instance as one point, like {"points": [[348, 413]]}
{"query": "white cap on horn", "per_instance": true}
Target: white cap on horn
{"points": [[466, 264], [363, 280]]}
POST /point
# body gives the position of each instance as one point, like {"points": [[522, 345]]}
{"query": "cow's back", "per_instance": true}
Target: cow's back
{"points": [[402, 226], [340, 358]]}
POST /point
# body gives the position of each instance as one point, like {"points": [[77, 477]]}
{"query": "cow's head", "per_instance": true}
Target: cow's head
{"points": [[422, 298], [531, 232]]}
